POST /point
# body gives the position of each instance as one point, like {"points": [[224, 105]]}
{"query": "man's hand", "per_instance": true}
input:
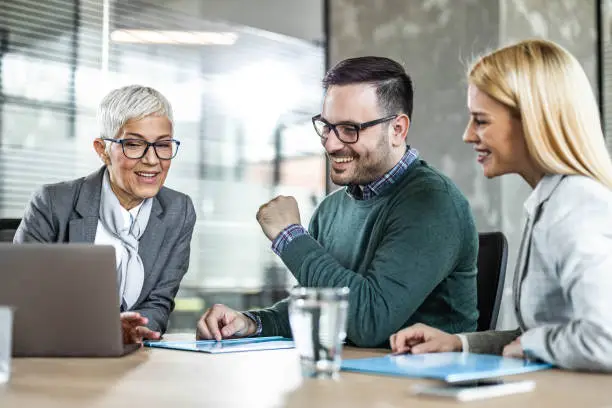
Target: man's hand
{"points": [[419, 338], [278, 214], [134, 329], [514, 349], [220, 322]]}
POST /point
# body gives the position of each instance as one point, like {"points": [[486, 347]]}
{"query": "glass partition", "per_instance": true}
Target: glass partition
{"points": [[242, 100]]}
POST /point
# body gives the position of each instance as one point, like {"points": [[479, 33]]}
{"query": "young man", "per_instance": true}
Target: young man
{"points": [[400, 235]]}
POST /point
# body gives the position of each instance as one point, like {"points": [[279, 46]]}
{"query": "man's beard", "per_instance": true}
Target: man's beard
{"points": [[367, 168]]}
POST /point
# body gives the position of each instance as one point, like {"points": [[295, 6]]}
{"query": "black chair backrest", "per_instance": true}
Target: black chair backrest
{"points": [[492, 258], [8, 226]]}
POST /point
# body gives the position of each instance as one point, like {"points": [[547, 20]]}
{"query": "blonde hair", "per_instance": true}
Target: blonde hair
{"points": [[544, 86]]}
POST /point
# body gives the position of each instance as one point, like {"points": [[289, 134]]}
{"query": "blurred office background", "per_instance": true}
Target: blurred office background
{"points": [[244, 79]]}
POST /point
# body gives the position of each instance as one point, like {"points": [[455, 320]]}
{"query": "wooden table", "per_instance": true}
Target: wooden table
{"points": [[151, 378]]}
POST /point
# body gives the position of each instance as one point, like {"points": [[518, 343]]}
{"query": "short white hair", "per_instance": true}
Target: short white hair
{"points": [[127, 103]]}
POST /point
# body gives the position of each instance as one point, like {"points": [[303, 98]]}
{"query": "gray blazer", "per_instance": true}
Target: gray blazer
{"points": [[69, 211], [563, 281]]}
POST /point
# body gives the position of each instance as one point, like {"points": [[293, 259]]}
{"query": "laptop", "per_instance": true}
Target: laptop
{"points": [[65, 298]]}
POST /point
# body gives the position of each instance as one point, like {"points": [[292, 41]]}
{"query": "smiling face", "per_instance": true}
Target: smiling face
{"points": [[497, 137], [133, 180], [379, 147]]}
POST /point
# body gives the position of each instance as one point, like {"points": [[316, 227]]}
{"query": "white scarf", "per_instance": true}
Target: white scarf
{"points": [[130, 269]]}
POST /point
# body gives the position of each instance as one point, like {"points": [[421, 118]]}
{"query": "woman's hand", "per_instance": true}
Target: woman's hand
{"points": [[514, 349], [134, 329]]}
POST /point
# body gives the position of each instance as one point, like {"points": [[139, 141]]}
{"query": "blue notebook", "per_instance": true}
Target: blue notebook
{"points": [[226, 346], [450, 367]]}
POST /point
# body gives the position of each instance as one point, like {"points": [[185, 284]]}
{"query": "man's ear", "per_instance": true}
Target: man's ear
{"points": [[400, 128], [100, 148]]}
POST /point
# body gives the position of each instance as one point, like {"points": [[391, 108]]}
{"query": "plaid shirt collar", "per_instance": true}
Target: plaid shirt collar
{"points": [[385, 181]]}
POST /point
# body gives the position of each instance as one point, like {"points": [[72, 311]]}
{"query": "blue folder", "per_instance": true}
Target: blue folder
{"points": [[226, 346], [449, 367]]}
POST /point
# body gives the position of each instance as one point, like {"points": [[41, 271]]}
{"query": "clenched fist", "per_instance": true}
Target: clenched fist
{"points": [[278, 214]]}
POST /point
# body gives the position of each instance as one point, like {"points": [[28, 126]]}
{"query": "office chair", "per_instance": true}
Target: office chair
{"points": [[492, 258], [8, 227]]}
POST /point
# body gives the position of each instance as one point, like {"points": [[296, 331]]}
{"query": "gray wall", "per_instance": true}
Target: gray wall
{"points": [[436, 40]]}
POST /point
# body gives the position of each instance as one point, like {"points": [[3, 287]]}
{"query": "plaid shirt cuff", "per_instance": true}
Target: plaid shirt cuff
{"points": [[286, 236], [257, 320]]}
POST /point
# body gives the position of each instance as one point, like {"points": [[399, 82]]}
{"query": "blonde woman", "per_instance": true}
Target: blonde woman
{"points": [[532, 112]]}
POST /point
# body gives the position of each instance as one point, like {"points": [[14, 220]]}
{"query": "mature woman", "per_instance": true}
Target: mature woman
{"points": [[124, 204], [532, 112]]}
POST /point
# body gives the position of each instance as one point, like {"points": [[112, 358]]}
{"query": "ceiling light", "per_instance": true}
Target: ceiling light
{"points": [[173, 37]]}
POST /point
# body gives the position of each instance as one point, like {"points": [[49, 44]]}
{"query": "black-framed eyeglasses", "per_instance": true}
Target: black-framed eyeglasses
{"points": [[137, 148], [346, 132]]}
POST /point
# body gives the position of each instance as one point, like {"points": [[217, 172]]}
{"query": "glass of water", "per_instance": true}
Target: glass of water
{"points": [[6, 334], [318, 324]]}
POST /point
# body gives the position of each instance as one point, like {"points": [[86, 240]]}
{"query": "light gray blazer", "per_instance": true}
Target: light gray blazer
{"points": [[563, 281], [69, 211]]}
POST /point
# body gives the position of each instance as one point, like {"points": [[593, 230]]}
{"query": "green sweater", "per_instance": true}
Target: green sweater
{"points": [[408, 255]]}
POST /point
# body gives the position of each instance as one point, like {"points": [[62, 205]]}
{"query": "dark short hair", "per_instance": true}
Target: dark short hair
{"points": [[393, 85]]}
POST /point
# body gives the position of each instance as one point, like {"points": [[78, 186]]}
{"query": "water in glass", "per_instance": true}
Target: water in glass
{"points": [[318, 324], [6, 332]]}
